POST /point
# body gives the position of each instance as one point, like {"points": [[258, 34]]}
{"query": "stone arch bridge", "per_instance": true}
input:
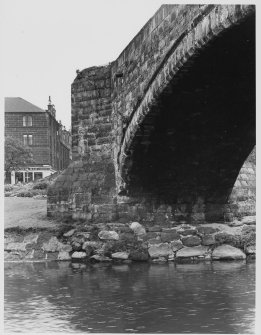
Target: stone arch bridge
{"points": [[165, 134]]}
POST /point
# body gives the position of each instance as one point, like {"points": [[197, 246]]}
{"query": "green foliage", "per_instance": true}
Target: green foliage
{"points": [[17, 155], [224, 238], [41, 185], [9, 188], [249, 239], [23, 194]]}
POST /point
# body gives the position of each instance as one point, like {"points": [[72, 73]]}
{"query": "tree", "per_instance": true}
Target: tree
{"points": [[17, 156]]}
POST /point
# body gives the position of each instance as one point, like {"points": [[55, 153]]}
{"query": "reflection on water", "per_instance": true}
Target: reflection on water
{"points": [[141, 298]]}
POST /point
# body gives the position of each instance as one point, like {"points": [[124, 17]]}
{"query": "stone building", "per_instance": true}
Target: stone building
{"points": [[48, 139]]}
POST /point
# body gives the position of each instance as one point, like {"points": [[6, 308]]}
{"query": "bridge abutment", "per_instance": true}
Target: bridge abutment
{"points": [[87, 188]]}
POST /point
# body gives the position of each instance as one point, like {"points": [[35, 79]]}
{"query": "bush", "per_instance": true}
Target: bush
{"points": [[249, 239], [24, 194], [41, 185], [9, 187]]}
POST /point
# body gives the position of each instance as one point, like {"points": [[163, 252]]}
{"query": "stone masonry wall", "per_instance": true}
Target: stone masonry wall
{"points": [[106, 242], [86, 188], [242, 201], [110, 102], [153, 57]]}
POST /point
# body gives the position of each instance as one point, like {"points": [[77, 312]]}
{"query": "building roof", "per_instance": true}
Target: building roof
{"points": [[17, 105]]}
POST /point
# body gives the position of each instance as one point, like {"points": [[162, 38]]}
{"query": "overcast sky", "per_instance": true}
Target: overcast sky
{"points": [[44, 42]]}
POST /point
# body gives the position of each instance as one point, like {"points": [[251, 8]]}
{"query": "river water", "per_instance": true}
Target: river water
{"points": [[216, 297]]}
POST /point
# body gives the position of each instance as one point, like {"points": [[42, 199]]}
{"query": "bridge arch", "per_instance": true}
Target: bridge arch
{"points": [[195, 125]]}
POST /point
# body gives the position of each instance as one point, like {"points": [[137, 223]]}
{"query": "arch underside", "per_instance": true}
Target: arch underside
{"points": [[191, 145]]}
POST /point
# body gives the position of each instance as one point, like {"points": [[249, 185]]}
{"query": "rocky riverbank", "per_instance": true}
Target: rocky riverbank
{"points": [[132, 242]]}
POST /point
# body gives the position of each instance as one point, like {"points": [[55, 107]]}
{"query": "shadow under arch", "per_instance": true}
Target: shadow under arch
{"points": [[191, 145]]}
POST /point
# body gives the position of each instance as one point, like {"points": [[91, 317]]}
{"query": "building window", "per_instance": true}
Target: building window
{"points": [[38, 175], [28, 176], [19, 177], [27, 121], [28, 140]]}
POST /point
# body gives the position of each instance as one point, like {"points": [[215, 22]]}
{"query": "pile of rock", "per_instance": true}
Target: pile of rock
{"points": [[134, 242]]}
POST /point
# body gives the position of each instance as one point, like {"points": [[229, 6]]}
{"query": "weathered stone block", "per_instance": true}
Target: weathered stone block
{"points": [[156, 240], [226, 252], [187, 232], [137, 228], [108, 235], [79, 255], [176, 245], [64, 256], [160, 250], [15, 246], [208, 239], [191, 241], [169, 236], [120, 255], [198, 251]]}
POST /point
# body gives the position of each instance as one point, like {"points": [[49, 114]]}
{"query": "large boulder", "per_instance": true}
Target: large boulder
{"points": [[15, 246], [64, 256], [191, 241], [108, 235], [64, 247], [160, 250], [79, 255], [208, 239], [188, 231], [31, 238], [137, 228], [120, 255], [169, 235], [226, 252], [176, 245], [51, 245], [186, 252]]}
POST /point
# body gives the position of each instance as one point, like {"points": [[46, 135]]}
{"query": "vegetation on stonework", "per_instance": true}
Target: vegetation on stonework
{"points": [[242, 241]]}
